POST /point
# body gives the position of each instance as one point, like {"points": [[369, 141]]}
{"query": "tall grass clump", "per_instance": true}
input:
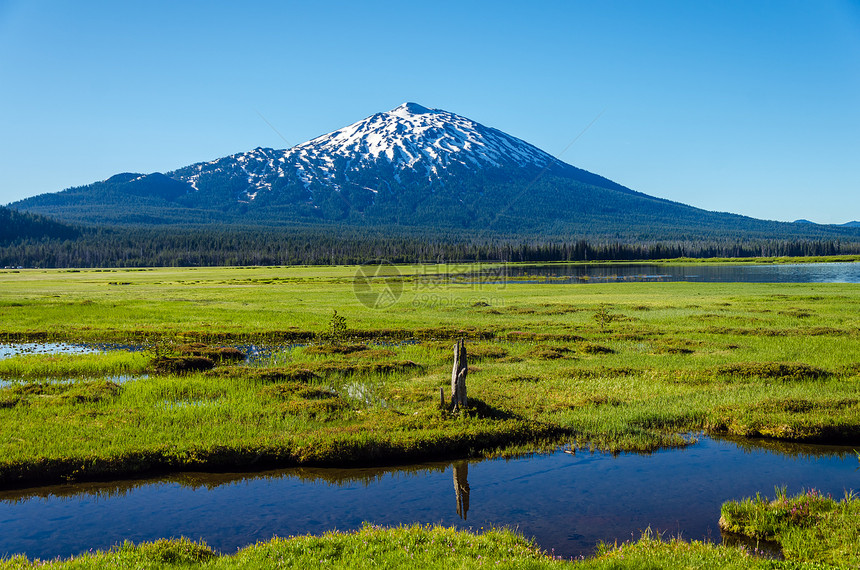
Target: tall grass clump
{"points": [[809, 527], [652, 551], [60, 366]]}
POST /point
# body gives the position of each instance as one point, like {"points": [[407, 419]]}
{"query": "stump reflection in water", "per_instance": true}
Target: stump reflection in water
{"points": [[461, 487]]}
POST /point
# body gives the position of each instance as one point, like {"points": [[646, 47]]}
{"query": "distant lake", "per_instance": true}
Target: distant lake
{"points": [[721, 273]]}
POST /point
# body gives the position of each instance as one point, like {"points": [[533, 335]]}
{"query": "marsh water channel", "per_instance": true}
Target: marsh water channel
{"points": [[567, 502]]}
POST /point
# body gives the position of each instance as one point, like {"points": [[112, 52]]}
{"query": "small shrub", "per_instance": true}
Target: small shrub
{"points": [[336, 333], [603, 316]]}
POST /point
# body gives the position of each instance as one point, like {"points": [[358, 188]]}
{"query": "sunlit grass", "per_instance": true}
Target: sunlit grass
{"points": [[428, 546], [809, 527], [62, 366], [622, 366]]}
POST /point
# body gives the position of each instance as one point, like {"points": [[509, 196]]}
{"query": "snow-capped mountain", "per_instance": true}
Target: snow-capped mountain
{"points": [[427, 169], [409, 142]]}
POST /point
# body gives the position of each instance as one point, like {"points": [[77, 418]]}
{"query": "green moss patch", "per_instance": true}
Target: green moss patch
{"points": [[181, 364], [213, 353], [775, 370], [594, 348]]}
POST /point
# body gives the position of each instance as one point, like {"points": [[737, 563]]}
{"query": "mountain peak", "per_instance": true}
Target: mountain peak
{"points": [[410, 108], [411, 144], [416, 138]]}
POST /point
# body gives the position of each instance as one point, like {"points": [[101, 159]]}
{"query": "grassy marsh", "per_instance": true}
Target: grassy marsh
{"points": [[626, 366]]}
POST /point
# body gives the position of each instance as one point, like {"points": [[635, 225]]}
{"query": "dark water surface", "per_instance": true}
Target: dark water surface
{"points": [[721, 273], [567, 502]]}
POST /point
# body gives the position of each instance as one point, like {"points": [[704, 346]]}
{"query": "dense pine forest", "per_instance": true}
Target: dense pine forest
{"points": [[19, 226], [65, 246]]}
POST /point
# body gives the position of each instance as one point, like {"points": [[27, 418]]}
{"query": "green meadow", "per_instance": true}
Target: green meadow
{"points": [[611, 366], [622, 366]]}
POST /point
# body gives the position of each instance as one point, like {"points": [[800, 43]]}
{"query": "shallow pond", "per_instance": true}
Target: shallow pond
{"points": [[567, 502], [7, 350], [255, 354]]}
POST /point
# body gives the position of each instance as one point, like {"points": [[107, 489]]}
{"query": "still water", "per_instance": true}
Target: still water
{"points": [[566, 502], [8, 350], [621, 272]]}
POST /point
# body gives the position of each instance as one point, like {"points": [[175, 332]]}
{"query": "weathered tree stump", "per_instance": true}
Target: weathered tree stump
{"points": [[458, 377]]}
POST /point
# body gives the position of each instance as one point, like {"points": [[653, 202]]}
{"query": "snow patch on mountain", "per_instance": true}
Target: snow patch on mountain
{"points": [[409, 137], [414, 137]]}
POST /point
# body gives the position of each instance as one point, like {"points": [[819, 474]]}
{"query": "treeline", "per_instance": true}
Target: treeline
{"points": [[147, 247], [17, 226]]}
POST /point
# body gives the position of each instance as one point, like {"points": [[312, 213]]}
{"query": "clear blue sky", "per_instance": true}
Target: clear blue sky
{"points": [[748, 106]]}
